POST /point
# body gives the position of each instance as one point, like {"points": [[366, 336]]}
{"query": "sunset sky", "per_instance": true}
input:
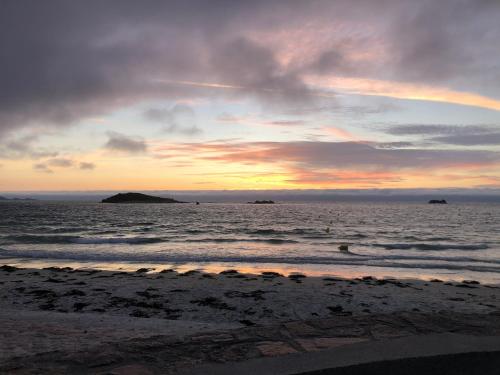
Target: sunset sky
{"points": [[201, 95]]}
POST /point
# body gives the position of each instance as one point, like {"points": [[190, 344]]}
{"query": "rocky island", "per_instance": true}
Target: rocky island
{"points": [[262, 202], [138, 198], [438, 201]]}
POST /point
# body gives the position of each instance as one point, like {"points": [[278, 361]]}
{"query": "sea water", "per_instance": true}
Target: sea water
{"points": [[453, 241]]}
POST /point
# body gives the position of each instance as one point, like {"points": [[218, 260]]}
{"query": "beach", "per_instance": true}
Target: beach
{"points": [[93, 318], [250, 187]]}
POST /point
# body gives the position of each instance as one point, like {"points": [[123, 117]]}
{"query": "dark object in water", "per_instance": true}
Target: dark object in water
{"points": [[137, 198], [247, 322], [262, 202], [197, 203], [438, 201], [344, 247]]}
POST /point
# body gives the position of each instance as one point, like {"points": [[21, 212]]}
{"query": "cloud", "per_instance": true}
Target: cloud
{"points": [[335, 177], [41, 167], [326, 164], [382, 145], [255, 68], [340, 133], [447, 41], [229, 118], [178, 119], [463, 135], [285, 122], [47, 165], [337, 155], [86, 165], [66, 61], [122, 143], [419, 129], [23, 147], [487, 139], [60, 162]]}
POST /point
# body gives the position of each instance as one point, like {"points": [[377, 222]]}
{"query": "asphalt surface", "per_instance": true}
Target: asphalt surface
{"points": [[482, 363]]}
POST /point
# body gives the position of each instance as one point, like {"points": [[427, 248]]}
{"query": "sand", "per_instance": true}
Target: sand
{"points": [[73, 311]]}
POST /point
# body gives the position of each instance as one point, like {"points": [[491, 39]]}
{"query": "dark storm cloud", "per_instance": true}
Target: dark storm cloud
{"points": [[255, 68], [63, 61], [124, 143]]}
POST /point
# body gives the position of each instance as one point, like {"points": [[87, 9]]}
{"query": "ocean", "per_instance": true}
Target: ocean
{"points": [[391, 239]]}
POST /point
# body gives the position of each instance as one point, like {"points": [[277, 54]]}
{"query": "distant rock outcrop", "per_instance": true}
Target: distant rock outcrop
{"points": [[262, 202], [137, 198], [438, 201], [16, 199]]}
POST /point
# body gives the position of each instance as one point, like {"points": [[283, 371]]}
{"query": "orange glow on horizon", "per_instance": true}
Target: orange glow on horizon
{"points": [[212, 167]]}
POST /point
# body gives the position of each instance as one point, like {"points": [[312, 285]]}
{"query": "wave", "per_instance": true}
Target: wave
{"points": [[64, 230], [355, 236], [414, 238], [264, 231], [305, 232], [68, 239], [40, 239], [430, 247], [275, 241], [119, 240]]}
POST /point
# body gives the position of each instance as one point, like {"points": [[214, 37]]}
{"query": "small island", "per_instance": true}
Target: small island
{"points": [[438, 201], [262, 202], [138, 198]]}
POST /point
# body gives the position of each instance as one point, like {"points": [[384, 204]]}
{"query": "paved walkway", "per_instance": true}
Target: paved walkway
{"points": [[169, 355], [421, 354]]}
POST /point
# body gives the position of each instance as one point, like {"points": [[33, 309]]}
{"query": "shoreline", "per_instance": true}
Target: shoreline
{"points": [[231, 296], [312, 270]]}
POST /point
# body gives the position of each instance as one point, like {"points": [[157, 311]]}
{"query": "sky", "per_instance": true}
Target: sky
{"points": [[208, 95]]}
